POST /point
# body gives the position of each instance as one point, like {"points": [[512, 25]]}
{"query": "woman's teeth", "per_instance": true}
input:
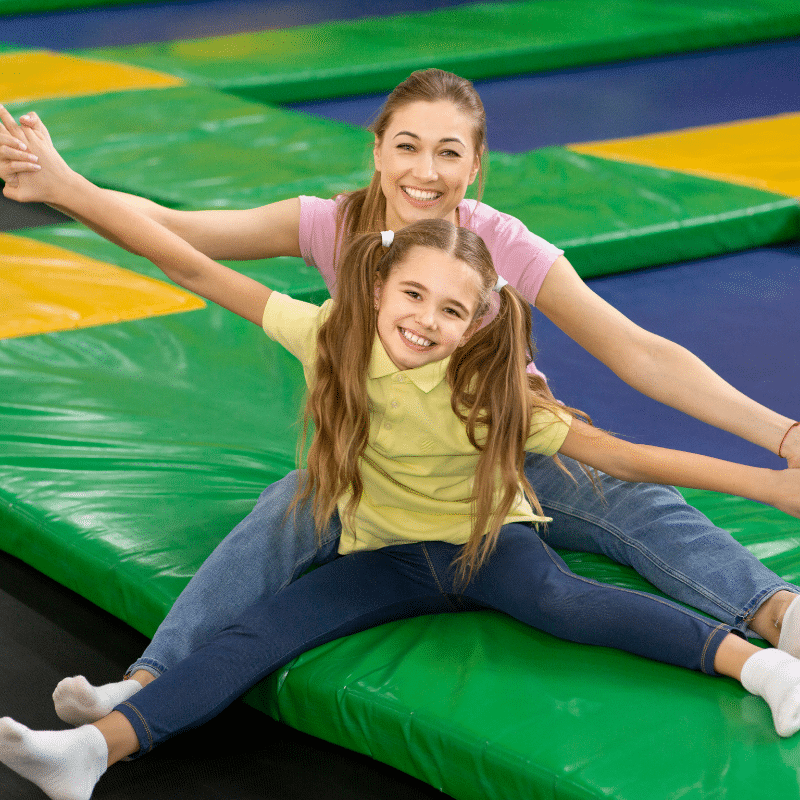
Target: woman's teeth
{"points": [[414, 339], [422, 196]]}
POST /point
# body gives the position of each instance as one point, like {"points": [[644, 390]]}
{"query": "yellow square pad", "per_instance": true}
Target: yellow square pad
{"points": [[29, 76], [762, 153], [44, 288]]}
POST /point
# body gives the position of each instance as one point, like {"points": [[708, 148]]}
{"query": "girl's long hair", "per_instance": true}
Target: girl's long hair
{"points": [[491, 391], [364, 210]]}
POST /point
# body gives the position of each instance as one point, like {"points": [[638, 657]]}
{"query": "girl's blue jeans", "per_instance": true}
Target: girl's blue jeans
{"points": [[523, 577], [650, 528]]}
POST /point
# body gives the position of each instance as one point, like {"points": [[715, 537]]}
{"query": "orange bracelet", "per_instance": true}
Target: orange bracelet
{"points": [[793, 425]]}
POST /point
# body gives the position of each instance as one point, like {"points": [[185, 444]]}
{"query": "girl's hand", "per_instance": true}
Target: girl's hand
{"points": [[50, 178], [15, 157]]}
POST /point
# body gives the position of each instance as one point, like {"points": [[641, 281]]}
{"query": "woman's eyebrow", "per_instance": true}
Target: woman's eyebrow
{"points": [[441, 141]]}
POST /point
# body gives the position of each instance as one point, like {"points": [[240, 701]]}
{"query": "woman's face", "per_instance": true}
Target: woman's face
{"points": [[426, 160], [426, 307]]}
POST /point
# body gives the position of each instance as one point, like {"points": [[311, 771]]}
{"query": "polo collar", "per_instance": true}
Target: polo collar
{"points": [[425, 378]]}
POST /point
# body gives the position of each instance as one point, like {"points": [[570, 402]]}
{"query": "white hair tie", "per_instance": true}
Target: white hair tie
{"points": [[501, 282], [387, 237]]}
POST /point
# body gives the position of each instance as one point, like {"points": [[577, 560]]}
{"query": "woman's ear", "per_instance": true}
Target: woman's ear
{"points": [[476, 168], [377, 294], [376, 154]]}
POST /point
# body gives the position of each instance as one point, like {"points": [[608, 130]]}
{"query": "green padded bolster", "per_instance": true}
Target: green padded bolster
{"points": [[223, 152], [477, 41]]}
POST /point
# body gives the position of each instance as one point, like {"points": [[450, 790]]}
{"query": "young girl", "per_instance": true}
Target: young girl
{"points": [[429, 141], [422, 419]]}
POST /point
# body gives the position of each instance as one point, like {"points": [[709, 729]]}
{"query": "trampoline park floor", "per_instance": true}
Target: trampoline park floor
{"points": [[49, 632]]}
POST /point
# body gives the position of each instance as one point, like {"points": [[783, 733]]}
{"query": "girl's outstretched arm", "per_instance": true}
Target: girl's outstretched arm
{"points": [[56, 184], [237, 235], [637, 462]]}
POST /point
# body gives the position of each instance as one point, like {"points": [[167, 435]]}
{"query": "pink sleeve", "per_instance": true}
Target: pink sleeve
{"points": [[521, 257], [318, 236]]}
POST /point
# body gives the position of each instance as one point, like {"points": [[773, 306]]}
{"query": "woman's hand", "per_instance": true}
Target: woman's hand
{"points": [[15, 157], [48, 178]]}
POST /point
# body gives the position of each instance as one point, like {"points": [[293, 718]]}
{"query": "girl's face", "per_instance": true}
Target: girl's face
{"points": [[426, 161], [426, 307]]}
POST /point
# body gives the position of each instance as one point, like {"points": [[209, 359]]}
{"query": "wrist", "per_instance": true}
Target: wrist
{"points": [[790, 442]]}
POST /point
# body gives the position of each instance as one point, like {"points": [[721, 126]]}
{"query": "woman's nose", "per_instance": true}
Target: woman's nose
{"points": [[424, 167]]}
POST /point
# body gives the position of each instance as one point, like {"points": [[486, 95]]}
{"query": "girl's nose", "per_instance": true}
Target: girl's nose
{"points": [[427, 318]]}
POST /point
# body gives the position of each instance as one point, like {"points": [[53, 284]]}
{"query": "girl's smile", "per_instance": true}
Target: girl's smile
{"points": [[426, 307], [426, 160]]}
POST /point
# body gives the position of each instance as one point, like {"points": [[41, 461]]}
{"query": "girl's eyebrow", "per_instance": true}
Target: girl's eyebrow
{"points": [[451, 302], [441, 141]]}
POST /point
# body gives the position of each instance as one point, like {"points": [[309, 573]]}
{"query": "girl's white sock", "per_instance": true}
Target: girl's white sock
{"points": [[775, 676], [78, 702], [789, 640], [65, 765]]}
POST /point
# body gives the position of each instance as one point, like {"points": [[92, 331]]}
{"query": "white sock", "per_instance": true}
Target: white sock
{"points": [[78, 702], [65, 765], [789, 640], [775, 676]]}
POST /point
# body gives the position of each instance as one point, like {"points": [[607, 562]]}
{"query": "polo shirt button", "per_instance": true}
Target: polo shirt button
{"points": [[394, 404], [400, 378], [387, 425]]}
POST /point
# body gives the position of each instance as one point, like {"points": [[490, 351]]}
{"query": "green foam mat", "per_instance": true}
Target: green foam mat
{"points": [[131, 449], [10, 8], [220, 151], [477, 41], [484, 708]]}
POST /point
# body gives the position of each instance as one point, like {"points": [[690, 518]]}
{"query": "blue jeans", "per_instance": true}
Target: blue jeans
{"points": [[523, 577], [650, 528]]}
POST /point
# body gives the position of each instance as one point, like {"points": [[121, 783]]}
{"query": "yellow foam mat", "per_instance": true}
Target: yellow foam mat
{"points": [[44, 288], [29, 76], [763, 153]]}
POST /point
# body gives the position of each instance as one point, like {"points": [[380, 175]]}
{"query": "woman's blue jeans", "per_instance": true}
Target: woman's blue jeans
{"points": [[523, 577], [650, 528]]}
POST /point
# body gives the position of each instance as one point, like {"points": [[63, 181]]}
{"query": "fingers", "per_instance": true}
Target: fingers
{"points": [[8, 122]]}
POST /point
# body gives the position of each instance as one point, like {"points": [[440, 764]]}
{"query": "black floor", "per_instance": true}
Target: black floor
{"points": [[26, 215], [48, 632]]}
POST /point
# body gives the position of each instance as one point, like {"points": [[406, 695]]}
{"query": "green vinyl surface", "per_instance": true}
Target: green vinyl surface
{"points": [[10, 8], [220, 151], [478, 40], [131, 449]]}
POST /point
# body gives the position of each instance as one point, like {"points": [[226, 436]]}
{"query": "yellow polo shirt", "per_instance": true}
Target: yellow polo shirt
{"points": [[418, 466]]}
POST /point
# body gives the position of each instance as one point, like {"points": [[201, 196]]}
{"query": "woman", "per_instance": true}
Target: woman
{"points": [[429, 140]]}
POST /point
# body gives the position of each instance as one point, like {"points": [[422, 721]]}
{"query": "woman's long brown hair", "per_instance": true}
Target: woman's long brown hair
{"points": [[491, 391]]}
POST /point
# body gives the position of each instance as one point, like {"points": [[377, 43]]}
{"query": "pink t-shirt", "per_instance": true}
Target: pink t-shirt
{"points": [[519, 256]]}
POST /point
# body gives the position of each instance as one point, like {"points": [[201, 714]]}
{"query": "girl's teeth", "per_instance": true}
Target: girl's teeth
{"points": [[412, 337]]}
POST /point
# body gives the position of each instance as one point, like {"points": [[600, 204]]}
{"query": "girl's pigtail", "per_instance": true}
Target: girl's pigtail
{"points": [[493, 395], [337, 401]]}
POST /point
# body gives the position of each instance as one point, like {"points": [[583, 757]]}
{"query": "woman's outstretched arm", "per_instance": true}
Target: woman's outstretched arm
{"points": [[56, 184], [636, 462], [236, 235], [658, 367]]}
